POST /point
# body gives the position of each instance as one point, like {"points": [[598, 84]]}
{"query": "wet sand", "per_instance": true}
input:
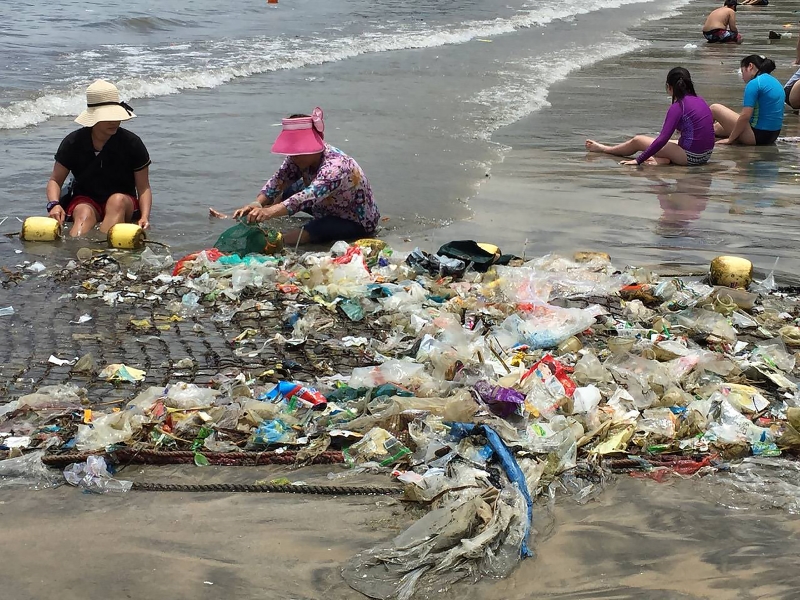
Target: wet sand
{"points": [[640, 540]]}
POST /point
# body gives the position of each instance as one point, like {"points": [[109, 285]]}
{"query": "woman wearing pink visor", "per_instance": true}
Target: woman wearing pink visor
{"points": [[319, 179]]}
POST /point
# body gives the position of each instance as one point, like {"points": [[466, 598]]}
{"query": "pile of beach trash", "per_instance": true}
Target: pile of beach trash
{"points": [[482, 387]]}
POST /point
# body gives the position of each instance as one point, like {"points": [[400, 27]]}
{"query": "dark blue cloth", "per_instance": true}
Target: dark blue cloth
{"points": [[509, 464], [329, 228]]}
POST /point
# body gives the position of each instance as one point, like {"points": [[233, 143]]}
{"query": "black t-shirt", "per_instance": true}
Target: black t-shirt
{"points": [[109, 172]]}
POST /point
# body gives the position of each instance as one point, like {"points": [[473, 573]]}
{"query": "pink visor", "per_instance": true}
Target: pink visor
{"points": [[301, 136]]}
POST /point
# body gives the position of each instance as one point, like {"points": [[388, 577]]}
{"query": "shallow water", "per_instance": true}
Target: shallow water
{"points": [[549, 195], [412, 91]]}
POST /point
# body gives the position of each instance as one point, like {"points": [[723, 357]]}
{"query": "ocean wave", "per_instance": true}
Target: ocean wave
{"points": [[140, 24], [525, 90], [245, 58]]}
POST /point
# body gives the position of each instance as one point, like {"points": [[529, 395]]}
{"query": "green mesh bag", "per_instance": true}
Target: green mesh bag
{"points": [[242, 239]]}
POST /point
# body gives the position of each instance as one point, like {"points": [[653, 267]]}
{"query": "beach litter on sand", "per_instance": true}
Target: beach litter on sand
{"points": [[480, 385]]}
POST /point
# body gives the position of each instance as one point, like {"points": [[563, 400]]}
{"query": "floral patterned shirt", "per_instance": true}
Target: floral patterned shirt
{"points": [[338, 188]]}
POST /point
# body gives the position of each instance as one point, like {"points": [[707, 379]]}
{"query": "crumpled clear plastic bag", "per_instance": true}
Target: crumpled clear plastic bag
{"points": [[657, 421], [108, 429], [480, 533], [53, 398], [731, 427], [773, 354], [28, 471], [553, 276], [188, 395], [706, 322], [547, 326], [589, 370], [759, 483], [400, 372], [93, 476]]}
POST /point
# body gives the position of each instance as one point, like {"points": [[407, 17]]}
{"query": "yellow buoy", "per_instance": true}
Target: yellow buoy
{"points": [[731, 271], [40, 229], [128, 236]]}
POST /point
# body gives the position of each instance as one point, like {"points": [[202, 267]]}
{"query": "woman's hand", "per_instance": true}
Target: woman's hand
{"points": [[630, 163], [58, 214], [265, 213], [245, 210], [144, 223], [725, 142]]}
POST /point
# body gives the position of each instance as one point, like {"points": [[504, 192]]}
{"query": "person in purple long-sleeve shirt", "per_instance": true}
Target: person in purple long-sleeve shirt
{"points": [[688, 114], [319, 179]]}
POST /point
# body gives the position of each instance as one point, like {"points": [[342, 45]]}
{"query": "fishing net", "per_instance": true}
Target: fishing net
{"points": [[242, 239]]}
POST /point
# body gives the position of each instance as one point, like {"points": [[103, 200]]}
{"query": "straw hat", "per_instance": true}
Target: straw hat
{"points": [[102, 104]]}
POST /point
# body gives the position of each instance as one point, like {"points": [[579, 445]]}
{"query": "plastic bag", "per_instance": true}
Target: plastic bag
{"points": [[547, 326], [272, 432], [731, 427], [589, 370], [28, 471], [93, 476], [704, 322], [773, 354], [108, 429], [400, 372], [657, 421], [553, 375], [377, 445], [502, 401], [188, 395]]}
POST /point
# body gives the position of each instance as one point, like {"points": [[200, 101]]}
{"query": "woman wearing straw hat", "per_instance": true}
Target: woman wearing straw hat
{"points": [[109, 164], [318, 179]]}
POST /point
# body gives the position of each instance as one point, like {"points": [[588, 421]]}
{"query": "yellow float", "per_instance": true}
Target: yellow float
{"points": [[40, 229], [731, 271], [127, 236]]}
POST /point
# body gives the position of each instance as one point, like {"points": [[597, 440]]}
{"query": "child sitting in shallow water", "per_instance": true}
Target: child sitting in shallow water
{"points": [[688, 114]]}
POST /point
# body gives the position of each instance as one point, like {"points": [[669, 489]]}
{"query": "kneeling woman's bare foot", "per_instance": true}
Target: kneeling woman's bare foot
{"points": [[593, 146]]}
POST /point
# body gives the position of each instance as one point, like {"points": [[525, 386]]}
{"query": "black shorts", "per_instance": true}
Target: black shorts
{"points": [[764, 137], [788, 90], [333, 229]]}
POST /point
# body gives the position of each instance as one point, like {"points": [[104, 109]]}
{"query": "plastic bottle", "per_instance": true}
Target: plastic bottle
{"points": [[7, 311], [289, 389], [570, 345]]}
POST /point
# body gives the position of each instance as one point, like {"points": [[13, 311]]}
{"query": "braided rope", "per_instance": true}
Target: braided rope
{"points": [[171, 457], [326, 490]]}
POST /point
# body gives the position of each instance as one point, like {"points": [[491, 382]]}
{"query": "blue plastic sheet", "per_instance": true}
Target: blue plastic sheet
{"points": [[509, 464]]}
